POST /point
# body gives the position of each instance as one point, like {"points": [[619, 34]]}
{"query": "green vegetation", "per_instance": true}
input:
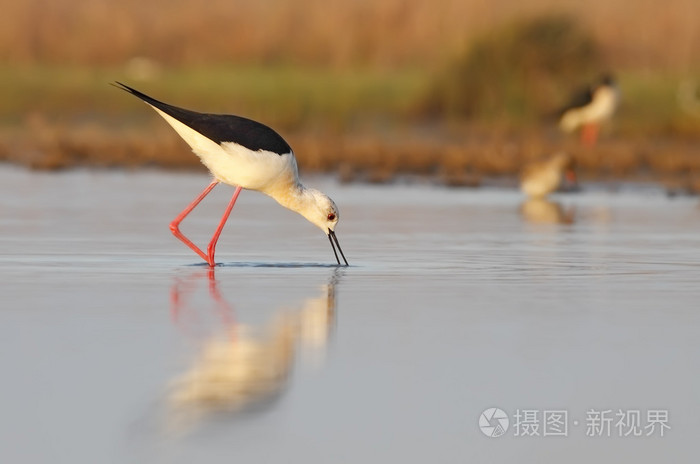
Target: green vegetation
{"points": [[283, 96], [295, 98], [518, 71]]}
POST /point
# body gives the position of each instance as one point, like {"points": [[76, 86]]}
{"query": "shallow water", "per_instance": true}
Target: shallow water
{"points": [[117, 345]]}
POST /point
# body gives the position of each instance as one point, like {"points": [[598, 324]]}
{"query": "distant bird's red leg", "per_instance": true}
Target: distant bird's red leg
{"points": [[175, 225], [215, 238], [589, 134]]}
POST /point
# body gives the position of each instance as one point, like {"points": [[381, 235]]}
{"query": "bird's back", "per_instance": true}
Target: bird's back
{"points": [[221, 128]]}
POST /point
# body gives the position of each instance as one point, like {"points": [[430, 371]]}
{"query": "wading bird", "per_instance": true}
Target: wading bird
{"points": [[247, 155], [541, 178], [589, 108]]}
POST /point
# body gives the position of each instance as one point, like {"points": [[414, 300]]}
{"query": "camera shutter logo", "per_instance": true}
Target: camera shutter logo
{"points": [[494, 422]]}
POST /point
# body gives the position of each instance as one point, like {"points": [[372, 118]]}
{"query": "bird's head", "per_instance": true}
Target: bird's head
{"points": [[320, 210], [607, 79]]}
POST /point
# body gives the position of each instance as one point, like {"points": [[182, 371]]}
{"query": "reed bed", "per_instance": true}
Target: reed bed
{"points": [[338, 33]]}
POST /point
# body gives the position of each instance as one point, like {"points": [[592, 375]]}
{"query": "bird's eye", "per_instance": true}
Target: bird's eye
{"points": [[331, 216]]}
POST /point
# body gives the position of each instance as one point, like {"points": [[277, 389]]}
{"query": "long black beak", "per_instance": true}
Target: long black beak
{"points": [[332, 238]]}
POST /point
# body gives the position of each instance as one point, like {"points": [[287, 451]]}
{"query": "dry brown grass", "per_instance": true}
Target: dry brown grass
{"points": [[641, 34]]}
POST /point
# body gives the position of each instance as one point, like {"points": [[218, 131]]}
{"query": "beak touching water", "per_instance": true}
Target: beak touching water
{"points": [[332, 238]]}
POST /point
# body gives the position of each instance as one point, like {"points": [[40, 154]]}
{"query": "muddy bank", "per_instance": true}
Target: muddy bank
{"points": [[459, 157]]}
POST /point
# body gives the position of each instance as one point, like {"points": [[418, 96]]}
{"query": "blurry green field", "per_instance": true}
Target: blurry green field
{"points": [[281, 96], [292, 98]]}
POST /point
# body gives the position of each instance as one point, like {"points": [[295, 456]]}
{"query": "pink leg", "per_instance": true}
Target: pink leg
{"points": [[175, 225], [215, 238]]}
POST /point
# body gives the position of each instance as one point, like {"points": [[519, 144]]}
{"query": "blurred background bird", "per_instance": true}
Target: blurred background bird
{"points": [[541, 178], [589, 108]]}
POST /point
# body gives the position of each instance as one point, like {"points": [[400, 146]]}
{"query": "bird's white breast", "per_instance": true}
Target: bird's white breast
{"points": [[603, 105]]}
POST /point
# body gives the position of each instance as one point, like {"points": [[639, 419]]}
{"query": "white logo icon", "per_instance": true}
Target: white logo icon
{"points": [[493, 422]]}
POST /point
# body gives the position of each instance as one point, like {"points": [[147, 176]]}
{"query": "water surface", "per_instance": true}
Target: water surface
{"points": [[118, 345]]}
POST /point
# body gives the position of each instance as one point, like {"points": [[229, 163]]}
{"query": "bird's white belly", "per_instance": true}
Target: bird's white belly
{"points": [[256, 170]]}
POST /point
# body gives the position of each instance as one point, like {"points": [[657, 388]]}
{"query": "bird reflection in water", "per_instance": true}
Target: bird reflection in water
{"points": [[543, 211], [244, 366]]}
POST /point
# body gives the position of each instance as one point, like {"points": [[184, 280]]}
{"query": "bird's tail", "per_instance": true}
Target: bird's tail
{"points": [[141, 95]]}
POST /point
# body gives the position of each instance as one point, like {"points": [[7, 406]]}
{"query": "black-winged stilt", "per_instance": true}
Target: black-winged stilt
{"points": [[541, 178], [589, 108], [248, 155]]}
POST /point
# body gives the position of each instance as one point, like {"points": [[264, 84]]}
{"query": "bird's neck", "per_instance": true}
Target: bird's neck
{"points": [[292, 195]]}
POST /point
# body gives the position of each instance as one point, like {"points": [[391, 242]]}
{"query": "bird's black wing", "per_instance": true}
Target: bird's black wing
{"points": [[221, 127], [578, 100]]}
